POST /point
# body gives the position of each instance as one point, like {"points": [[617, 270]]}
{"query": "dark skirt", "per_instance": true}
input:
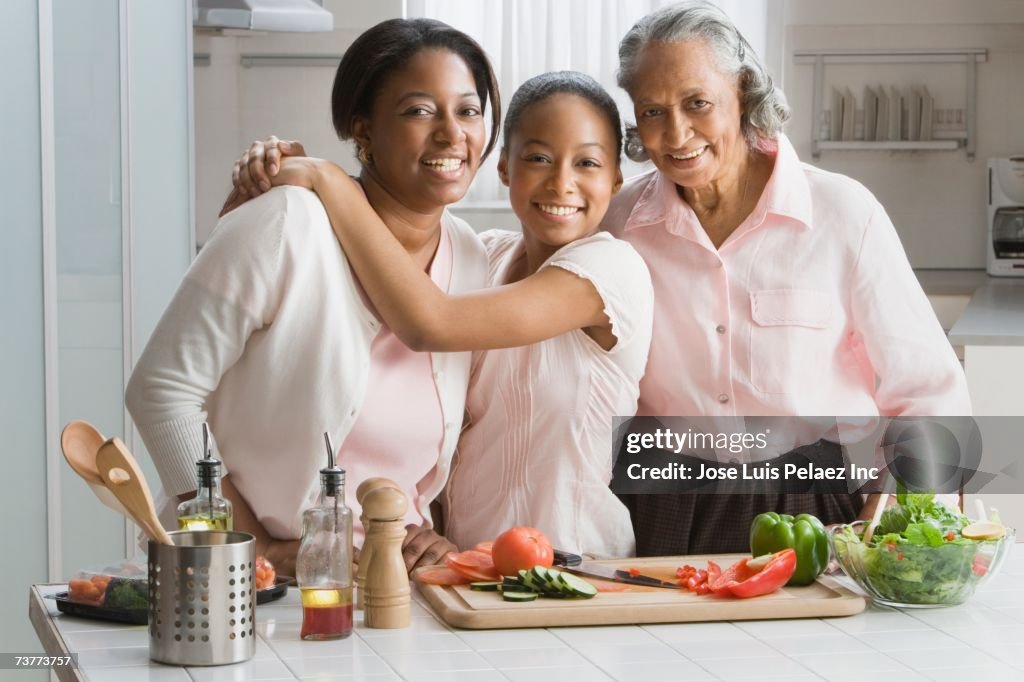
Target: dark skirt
{"points": [[668, 525]]}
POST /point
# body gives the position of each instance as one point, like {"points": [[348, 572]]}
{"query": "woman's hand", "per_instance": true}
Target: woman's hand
{"points": [[424, 547], [252, 174]]}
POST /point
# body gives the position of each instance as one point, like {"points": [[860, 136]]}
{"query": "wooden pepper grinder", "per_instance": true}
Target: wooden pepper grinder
{"points": [[386, 590], [366, 487]]}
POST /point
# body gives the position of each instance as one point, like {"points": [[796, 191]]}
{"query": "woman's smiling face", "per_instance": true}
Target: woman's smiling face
{"points": [[426, 132], [561, 168], [688, 112]]}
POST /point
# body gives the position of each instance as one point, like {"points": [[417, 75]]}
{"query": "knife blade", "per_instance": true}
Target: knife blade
{"points": [[575, 564]]}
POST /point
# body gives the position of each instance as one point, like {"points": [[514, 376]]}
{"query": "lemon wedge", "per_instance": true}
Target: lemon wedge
{"points": [[984, 530]]}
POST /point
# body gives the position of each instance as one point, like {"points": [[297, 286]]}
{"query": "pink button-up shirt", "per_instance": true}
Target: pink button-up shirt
{"points": [[810, 307]]}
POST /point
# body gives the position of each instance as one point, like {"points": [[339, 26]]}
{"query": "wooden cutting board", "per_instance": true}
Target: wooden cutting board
{"points": [[462, 607]]}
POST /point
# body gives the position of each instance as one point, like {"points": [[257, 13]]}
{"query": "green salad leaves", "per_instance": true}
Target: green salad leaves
{"points": [[917, 554]]}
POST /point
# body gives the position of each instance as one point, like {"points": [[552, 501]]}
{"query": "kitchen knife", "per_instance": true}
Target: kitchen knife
{"points": [[574, 563]]}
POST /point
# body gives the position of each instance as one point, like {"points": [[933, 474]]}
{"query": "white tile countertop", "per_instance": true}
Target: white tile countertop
{"points": [[980, 640]]}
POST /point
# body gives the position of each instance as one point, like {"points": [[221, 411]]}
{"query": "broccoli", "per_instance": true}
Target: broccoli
{"points": [[127, 595]]}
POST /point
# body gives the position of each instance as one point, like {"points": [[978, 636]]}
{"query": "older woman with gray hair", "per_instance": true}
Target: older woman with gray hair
{"points": [[781, 289]]}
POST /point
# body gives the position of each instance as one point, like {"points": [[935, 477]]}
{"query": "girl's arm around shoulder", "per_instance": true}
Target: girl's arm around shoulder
{"points": [[547, 304]]}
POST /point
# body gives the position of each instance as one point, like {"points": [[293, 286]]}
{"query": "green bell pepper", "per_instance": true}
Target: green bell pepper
{"points": [[771, 532]]}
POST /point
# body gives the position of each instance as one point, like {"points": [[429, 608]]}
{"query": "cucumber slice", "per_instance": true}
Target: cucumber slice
{"points": [[577, 586], [519, 596], [527, 578], [555, 586], [515, 588], [484, 586]]}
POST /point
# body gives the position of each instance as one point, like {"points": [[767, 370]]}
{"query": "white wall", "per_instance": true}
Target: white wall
{"points": [[22, 418], [98, 177], [236, 105], [936, 199]]}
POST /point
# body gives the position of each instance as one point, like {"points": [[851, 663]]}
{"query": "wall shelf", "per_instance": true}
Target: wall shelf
{"points": [[822, 58], [891, 145], [258, 60]]}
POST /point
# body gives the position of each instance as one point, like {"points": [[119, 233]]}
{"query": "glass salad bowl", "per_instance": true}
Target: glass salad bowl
{"points": [[904, 574]]}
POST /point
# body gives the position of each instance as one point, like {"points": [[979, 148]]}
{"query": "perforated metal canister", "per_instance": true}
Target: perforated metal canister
{"points": [[202, 598]]}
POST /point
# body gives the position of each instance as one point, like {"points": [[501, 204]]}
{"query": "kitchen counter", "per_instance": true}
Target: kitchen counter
{"points": [[994, 317], [944, 282], [979, 640]]}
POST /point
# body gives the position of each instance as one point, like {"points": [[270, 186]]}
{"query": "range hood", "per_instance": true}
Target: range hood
{"points": [[304, 16]]}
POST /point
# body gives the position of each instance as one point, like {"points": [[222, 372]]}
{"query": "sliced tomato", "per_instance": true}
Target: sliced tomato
{"points": [[440, 575], [743, 580], [472, 558], [472, 564], [484, 547]]}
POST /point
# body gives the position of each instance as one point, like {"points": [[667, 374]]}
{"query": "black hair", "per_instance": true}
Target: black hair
{"points": [[387, 47], [539, 88]]}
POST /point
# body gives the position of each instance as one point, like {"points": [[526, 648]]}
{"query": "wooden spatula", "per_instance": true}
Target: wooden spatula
{"points": [[123, 477]]}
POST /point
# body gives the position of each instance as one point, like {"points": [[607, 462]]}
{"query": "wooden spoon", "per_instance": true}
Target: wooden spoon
{"points": [[79, 441], [123, 477]]}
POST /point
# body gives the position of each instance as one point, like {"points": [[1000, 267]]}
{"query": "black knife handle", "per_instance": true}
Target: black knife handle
{"points": [[563, 558]]}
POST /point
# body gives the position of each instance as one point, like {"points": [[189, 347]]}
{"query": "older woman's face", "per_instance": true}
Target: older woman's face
{"points": [[427, 132], [687, 113]]}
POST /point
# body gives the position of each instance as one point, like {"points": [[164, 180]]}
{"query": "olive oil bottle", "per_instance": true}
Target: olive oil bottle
{"points": [[208, 510]]}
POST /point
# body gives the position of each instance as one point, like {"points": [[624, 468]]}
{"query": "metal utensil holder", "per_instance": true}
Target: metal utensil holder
{"points": [[202, 598]]}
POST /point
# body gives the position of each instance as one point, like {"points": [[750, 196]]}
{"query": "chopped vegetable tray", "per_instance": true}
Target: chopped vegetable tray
{"points": [[461, 606]]}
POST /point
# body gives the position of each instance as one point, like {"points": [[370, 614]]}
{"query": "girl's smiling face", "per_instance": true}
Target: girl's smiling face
{"points": [[426, 133], [688, 113], [562, 168]]}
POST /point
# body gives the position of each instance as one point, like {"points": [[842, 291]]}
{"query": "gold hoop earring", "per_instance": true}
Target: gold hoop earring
{"points": [[364, 156]]}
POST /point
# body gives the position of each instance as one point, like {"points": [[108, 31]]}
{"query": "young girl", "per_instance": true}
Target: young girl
{"points": [[563, 330]]}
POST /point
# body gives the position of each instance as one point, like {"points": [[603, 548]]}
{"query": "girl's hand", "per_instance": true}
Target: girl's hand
{"points": [[300, 171], [252, 174]]}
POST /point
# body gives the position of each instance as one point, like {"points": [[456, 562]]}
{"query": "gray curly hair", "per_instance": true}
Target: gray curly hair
{"points": [[764, 106]]}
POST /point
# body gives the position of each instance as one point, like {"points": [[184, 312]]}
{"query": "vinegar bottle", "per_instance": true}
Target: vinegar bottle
{"points": [[208, 510], [324, 563]]}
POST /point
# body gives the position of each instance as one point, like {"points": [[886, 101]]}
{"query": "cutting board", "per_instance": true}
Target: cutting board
{"points": [[462, 607]]}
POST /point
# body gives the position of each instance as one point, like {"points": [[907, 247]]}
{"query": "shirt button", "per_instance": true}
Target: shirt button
{"points": [[449, 425], [720, 329], [723, 398], [352, 412], [438, 374]]}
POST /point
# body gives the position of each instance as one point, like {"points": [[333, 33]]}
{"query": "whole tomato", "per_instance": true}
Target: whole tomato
{"points": [[521, 548]]}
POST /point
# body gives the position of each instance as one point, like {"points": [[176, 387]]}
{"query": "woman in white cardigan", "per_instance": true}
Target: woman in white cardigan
{"points": [[270, 339]]}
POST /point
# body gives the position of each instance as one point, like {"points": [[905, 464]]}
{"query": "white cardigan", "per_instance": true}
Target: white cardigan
{"points": [[268, 339]]}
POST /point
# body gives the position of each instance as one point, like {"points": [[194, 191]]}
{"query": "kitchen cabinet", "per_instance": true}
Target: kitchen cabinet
{"points": [[991, 330]]}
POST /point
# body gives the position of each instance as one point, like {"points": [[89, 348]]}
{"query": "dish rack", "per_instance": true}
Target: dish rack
{"points": [[820, 59]]}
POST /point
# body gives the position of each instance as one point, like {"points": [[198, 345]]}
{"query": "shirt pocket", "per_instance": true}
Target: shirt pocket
{"points": [[788, 339]]}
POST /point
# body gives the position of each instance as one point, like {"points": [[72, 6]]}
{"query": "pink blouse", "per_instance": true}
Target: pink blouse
{"points": [[399, 430], [809, 308], [536, 448]]}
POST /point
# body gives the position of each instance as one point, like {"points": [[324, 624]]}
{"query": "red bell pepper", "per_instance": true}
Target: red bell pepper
{"points": [[753, 577]]}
